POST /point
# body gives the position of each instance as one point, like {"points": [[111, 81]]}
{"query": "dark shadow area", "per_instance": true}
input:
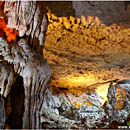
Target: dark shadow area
{"points": [[61, 8], [15, 105], [127, 3], [108, 12]]}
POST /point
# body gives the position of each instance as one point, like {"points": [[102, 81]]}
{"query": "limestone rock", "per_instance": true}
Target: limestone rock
{"points": [[60, 112], [66, 23], [24, 58], [84, 60], [108, 12]]}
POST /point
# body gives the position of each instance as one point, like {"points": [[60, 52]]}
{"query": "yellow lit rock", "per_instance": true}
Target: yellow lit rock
{"points": [[78, 20], [77, 104], [75, 27], [60, 20], [72, 20], [66, 23], [54, 17], [102, 91], [90, 19], [83, 20]]}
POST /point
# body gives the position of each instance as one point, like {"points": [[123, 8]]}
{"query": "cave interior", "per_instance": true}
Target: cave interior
{"points": [[87, 48]]}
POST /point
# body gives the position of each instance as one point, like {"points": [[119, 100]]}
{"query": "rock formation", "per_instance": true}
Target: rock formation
{"points": [[24, 58], [86, 54], [89, 63]]}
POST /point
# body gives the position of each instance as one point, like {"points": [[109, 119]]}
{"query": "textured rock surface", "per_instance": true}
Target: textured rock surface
{"points": [[107, 12], [24, 58], [28, 17], [23, 63], [85, 60], [87, 53], [59, 111]]}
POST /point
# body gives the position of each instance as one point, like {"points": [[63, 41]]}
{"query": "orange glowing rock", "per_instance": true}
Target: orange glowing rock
{"points": [[88, 103], [78, 105], [10, 33]]}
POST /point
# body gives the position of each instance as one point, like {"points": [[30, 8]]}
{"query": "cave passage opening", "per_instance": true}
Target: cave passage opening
{"points": [[15, 104]]}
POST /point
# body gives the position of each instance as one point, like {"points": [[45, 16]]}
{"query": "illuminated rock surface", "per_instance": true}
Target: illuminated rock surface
{"points": [[59, 112], [88, 61], [84, 54], [23, 59]]}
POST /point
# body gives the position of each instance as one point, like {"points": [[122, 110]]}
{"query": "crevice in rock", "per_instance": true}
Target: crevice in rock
{"points": [[15, 105]]}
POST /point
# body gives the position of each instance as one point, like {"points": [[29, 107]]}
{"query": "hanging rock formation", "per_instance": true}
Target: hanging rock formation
{"points": [[24, 58]]}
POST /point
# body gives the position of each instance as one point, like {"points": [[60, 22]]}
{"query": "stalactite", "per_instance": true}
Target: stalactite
{"points": [[24, 57]]}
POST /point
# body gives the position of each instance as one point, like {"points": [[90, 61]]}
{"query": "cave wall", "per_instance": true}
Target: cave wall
{"points": [[92, 11], [61, 8], [73, 47], [85, 55], [54, 112], [17, 58], [107, 12]]}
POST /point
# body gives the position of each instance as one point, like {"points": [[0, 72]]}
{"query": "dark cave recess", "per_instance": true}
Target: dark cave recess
{"points": [[15, 105]]}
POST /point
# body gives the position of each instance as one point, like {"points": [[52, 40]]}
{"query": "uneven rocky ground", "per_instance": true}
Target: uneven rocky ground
{"points": [[84, 55]]}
